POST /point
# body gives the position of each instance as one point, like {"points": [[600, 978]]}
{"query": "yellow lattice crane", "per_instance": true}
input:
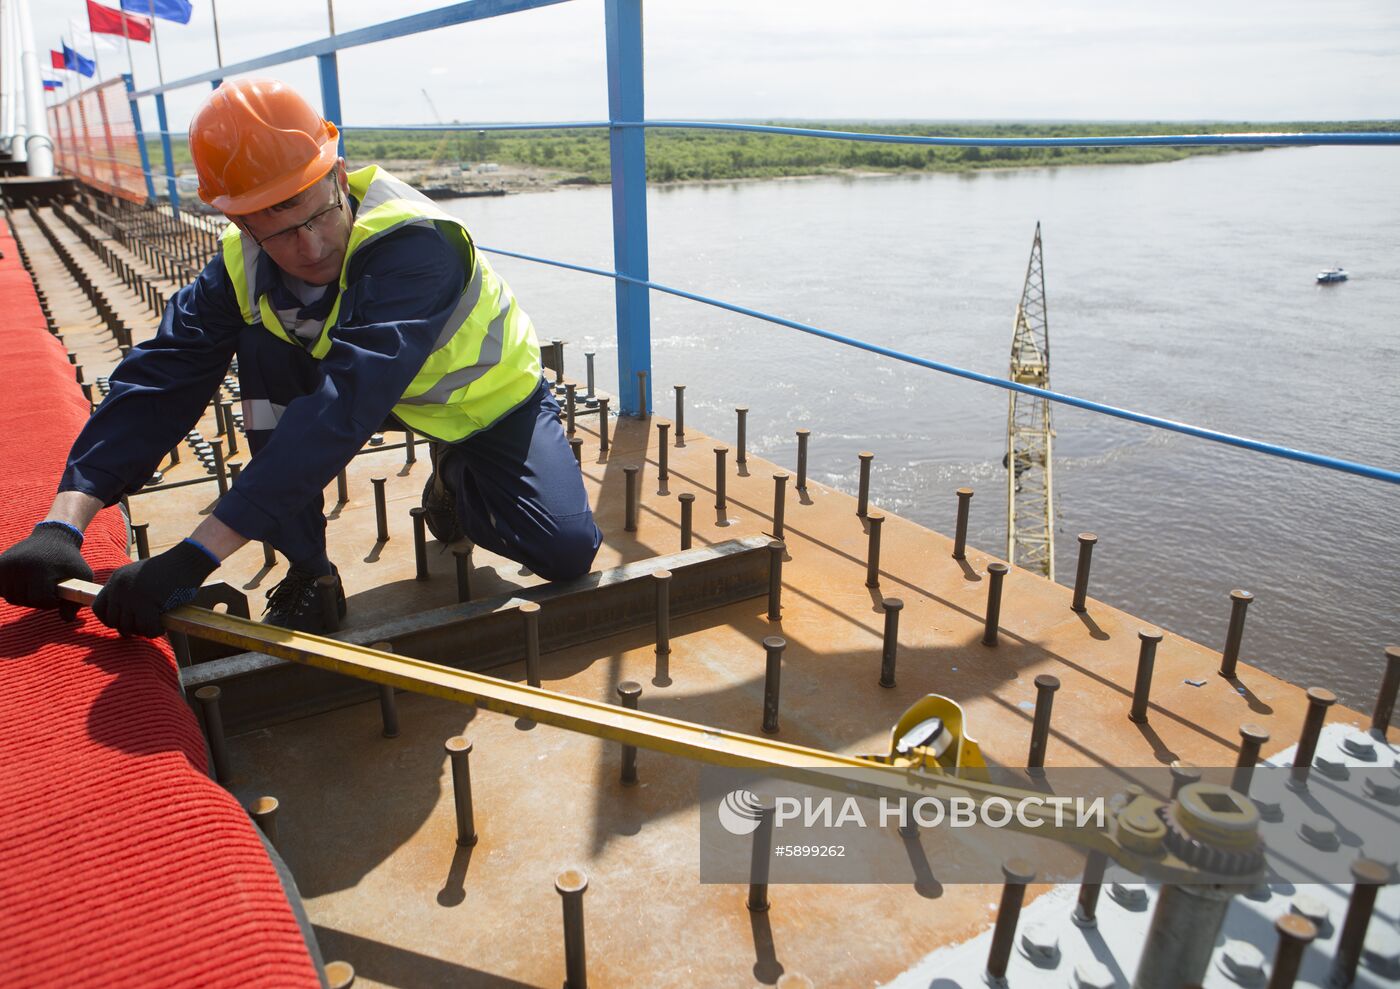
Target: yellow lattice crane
{"points": [[1030, 502]]}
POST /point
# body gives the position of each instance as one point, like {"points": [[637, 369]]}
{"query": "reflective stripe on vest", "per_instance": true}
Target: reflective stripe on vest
{"points": [[486, 360]]}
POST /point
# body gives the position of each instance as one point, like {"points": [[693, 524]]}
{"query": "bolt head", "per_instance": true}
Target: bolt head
{"points": [[1093, 974], [1040, 944], [1242, 962], [1319, 831], [1132, 896], [1314, 909], [1381, 950], [1360, 745]]}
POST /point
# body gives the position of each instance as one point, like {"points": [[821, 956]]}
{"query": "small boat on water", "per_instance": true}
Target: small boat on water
{"points": [[1331, 275]]}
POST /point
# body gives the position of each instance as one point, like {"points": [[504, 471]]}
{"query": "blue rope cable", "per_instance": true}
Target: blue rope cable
{"points": [[1229, 439], [1242, 139]]}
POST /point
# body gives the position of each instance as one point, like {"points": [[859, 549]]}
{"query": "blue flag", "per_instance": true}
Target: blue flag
{"points": [[171, 10], [74, 62], [52, 84]]}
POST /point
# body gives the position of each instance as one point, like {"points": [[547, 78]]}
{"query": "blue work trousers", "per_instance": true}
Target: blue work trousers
{"points": [[518, 487]]}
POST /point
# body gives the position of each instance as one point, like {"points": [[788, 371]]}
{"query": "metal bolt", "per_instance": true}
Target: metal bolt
{"points": [[569, 407], [143, 539], [863, 493], [774, 646], [530, 613], [571, 885], [630, 692], [1319, 700], [576, 443], [760, 859], [1385, 698], [326, 593], [687, 501], [960, 535], [1045, 687], [208, 698], [459, 750], [381, 508], [1081, 576], [342, 487], [558, 361], [1182, 774], [1093, 974], [588, 356], [419, 515], [264, 815], [1318, 831], [663, 452], [1019, 874], [220, 473], [1295, 933], [803, 435], [780, 480], [410, 447], [175, 455], [1252, 739], [1041, 944], [642, 406], [872, 554], [234, 468], [776, 549], [388, 703], [269, 557], [996, 573], [630, 511], [1242, 962], [890, 645], [221, 411], [662, 580], [680, 415], [1148, 638], [340, 975], [1239, 602], [462, 556], [721, 502], [1084, 911], [231, 433], [602, 425], [742, 456]]}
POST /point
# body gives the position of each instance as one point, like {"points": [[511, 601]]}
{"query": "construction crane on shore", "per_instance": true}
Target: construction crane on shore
{"points": [[1030, 502]]}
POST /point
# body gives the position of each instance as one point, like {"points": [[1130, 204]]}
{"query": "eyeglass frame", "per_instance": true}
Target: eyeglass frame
{"points": [[307, 223]]}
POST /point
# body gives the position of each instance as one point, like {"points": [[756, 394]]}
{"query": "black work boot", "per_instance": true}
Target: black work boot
{"points": [[439, 502], [295, 603]]}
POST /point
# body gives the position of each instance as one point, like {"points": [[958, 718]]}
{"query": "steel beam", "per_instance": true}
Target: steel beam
{"points": [[261, 688]]}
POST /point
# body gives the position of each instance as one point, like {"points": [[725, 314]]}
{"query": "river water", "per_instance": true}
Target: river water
{"points": [[1184, 290]]}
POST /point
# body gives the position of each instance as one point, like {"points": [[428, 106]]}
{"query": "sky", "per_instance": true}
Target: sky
{"points": [[816, 59]]}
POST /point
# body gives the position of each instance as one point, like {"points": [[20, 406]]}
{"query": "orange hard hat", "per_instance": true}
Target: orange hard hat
{"points": [[256, 143]]}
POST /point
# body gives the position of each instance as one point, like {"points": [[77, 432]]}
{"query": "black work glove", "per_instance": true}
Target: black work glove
{"points": [[137, 594], [32, 569]]}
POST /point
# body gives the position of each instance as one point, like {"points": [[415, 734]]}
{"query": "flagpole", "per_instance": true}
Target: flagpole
{"points": [[126, 33], [155, 36], [218, 48]]}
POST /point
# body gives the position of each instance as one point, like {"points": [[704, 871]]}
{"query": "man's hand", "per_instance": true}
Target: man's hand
{"points": [[32, 569], [137, 594]]}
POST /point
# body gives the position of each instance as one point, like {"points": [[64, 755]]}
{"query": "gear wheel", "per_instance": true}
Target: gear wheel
{"points": [[1221, 861]]}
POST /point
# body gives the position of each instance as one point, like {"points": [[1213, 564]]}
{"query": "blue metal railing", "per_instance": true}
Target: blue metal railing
{"points": [[627, 126]]}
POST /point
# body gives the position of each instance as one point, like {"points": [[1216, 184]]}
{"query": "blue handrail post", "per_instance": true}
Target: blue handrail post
{"points": [[170, 184], [140, 136], [628, 153], [330, 92]]}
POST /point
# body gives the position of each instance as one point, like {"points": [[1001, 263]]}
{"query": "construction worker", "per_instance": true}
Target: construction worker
{"points": [[351, 301]]}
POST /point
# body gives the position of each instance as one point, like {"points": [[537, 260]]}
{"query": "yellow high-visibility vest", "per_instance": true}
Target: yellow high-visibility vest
{"points": [[485, 362]]}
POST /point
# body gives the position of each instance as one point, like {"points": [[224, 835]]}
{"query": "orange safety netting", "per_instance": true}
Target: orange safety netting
{"points": [[94, 138]]}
